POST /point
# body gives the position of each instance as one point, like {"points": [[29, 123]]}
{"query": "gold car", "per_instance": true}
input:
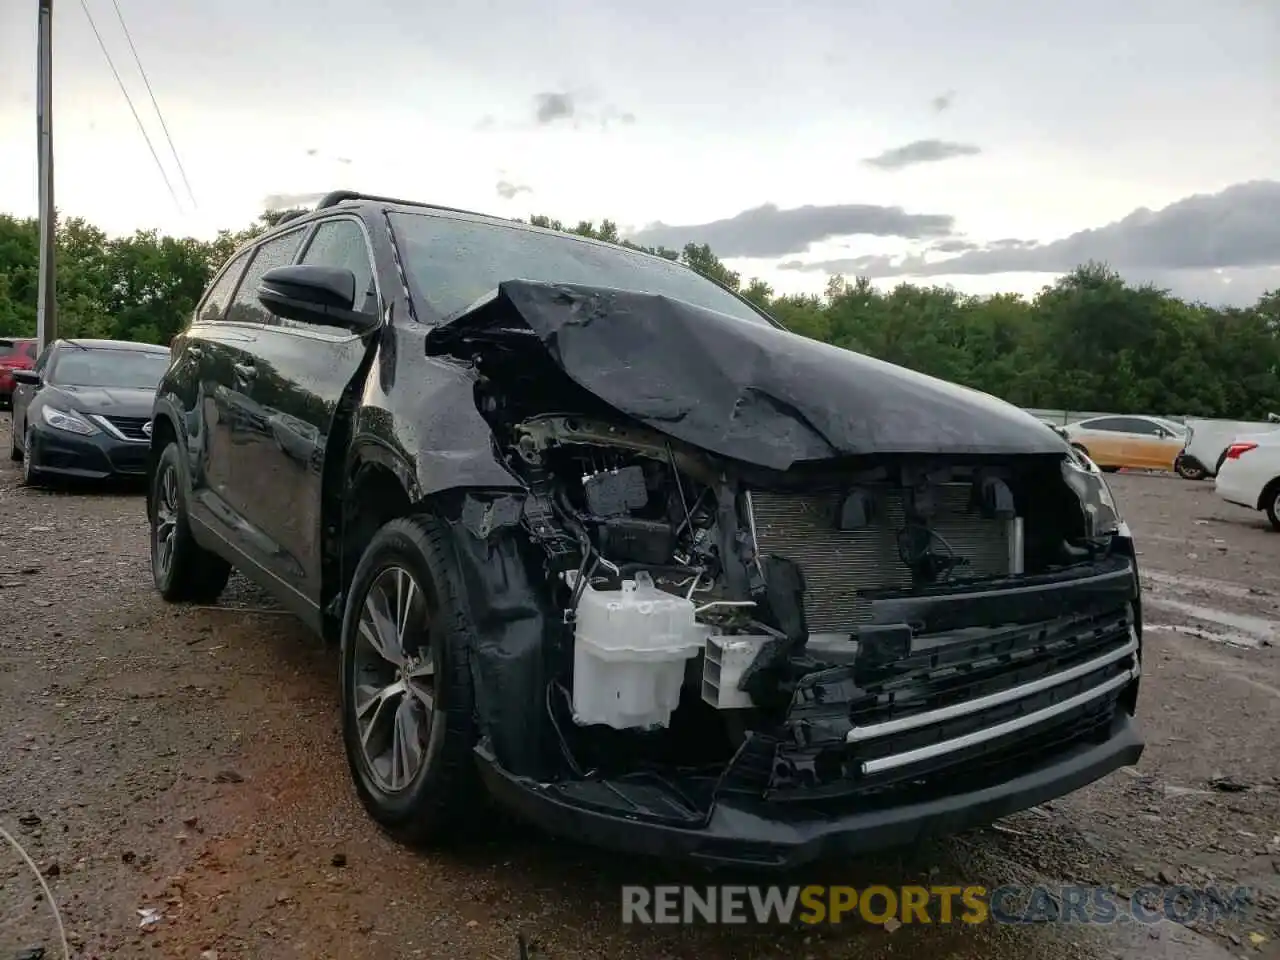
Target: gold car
{"points": [[1141, 442]]}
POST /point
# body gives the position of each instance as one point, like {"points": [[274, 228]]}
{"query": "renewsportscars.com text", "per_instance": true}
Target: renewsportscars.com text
{"points": [[969, 904]]}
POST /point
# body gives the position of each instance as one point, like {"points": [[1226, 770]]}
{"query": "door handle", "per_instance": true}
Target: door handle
{"points": [[245, 371]]}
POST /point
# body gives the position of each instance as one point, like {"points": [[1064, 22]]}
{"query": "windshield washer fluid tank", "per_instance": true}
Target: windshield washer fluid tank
{"points": [[629, 653]]}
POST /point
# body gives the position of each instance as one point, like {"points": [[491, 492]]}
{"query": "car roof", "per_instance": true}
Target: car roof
{"points": [[350, 201], [92, 344]]}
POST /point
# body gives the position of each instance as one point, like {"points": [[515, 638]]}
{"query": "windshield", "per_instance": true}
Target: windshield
{"points": [[86, 367], [456, 262], [17, 348]]}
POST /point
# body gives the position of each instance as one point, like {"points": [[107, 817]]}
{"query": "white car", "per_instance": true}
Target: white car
{"points": [[1250, 474]]}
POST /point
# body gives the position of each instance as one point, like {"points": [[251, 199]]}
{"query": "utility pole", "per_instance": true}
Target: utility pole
{"points": [[46, 301]]}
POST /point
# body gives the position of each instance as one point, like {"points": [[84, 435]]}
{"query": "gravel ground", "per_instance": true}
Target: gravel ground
{"points": [[188, 761]]}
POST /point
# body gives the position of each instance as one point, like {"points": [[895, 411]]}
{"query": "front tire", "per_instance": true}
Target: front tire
{"points": [[31, 474], [184, 572], [407, 699], [1273, 505]]}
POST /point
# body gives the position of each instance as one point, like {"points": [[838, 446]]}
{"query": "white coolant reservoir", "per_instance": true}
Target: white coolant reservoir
{"points": [[629, 653]]}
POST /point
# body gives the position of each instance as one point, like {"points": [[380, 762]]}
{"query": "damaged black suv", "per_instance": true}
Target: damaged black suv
{"points": [[599, 539]]}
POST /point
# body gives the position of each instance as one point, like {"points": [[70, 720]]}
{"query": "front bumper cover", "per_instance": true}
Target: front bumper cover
{"points": [[96, 457], [756, 834], [757, 825]]}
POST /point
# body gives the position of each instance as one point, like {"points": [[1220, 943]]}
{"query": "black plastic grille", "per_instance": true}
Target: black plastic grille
{"points": [[130, 427]]}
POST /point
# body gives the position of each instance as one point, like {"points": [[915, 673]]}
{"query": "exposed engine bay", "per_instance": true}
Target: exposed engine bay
{"points": [[856, 625]]}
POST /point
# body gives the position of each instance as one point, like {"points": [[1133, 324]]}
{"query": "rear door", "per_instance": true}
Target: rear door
{"points": [[1104, 438], [234, 420], [302, 373], [193, 385]]}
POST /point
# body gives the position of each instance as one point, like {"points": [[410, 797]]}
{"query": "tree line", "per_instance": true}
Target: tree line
{"points": [[1089, 341]]}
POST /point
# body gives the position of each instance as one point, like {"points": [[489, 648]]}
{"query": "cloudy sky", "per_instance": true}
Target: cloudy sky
{"points": [[988, 144]]}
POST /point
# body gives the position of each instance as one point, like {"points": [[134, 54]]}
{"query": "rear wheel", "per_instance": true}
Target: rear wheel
{"points": [[407, 698], [182, 569], [1189, 469]]}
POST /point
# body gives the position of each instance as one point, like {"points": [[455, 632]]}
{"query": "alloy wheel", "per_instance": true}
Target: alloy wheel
{"points": [[28, 454], [166, 522], [394, 679]]}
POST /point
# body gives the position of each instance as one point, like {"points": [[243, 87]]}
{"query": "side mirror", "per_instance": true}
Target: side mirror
{"points": [[29, 377], [313, 294]]}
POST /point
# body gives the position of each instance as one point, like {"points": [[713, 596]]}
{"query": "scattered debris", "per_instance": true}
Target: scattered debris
{"points": [[892, 924], [30, 820], [339, 860], [128, 856], [30, 953], [1226, 784], [150, 917], [228, 776]]}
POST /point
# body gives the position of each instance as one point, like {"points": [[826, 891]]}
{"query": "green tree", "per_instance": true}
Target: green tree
{"points": [[1089, 341]]}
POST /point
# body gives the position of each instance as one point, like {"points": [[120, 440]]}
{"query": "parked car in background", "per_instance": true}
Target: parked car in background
{"points": [[17, 354], [84, 409], [1143, 442], [569, 511], [1249, 474], [1208, 439]]}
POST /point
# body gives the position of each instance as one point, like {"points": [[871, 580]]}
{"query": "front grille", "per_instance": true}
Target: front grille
{"points": [[966, 700], [130, 427], [839, 565]]}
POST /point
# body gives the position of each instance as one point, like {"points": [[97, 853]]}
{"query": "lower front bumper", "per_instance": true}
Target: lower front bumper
{"points": [[760, 835], [97, 457]]}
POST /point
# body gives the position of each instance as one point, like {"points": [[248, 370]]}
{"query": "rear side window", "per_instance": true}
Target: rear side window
{"points": [[7, 349], [219, 295], [276, 252], [29, 348], [1107, 424]]}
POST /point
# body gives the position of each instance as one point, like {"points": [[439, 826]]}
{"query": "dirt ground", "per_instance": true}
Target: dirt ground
{"points": [[188, 761]]}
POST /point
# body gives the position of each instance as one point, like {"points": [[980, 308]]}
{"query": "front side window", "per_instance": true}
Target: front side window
{"points": [[455, 262], [276, 252], [341, 243], [85, 367]]}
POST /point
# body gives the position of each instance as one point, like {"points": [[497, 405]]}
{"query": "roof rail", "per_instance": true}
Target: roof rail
{"points": [[343, 196]]}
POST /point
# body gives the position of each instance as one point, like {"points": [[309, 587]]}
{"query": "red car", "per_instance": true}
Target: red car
{"points": [[19, 354]]}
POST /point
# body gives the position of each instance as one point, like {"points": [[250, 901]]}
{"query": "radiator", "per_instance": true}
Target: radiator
{"points": [[839, 564]]}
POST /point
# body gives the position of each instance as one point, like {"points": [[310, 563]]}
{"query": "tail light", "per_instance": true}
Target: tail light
{"points": [[1236, 449]]}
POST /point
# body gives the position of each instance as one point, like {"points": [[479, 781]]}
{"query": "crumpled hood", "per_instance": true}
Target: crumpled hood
{"points": [[749, 391], [108, 401]]}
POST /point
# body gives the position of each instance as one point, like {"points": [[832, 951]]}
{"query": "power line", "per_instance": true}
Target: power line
{"points": [[129, 100], [163, 126]]}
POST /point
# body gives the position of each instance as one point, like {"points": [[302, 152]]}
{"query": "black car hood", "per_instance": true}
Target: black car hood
{"points": [[107, 401], [749, 391]]}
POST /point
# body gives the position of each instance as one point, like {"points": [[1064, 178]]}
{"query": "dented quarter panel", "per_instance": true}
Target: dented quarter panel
{"points": [[418, 417], [752, 392]]}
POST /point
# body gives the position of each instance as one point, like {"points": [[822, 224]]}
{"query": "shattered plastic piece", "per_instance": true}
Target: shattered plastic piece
{"points": [[150, 916]]}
